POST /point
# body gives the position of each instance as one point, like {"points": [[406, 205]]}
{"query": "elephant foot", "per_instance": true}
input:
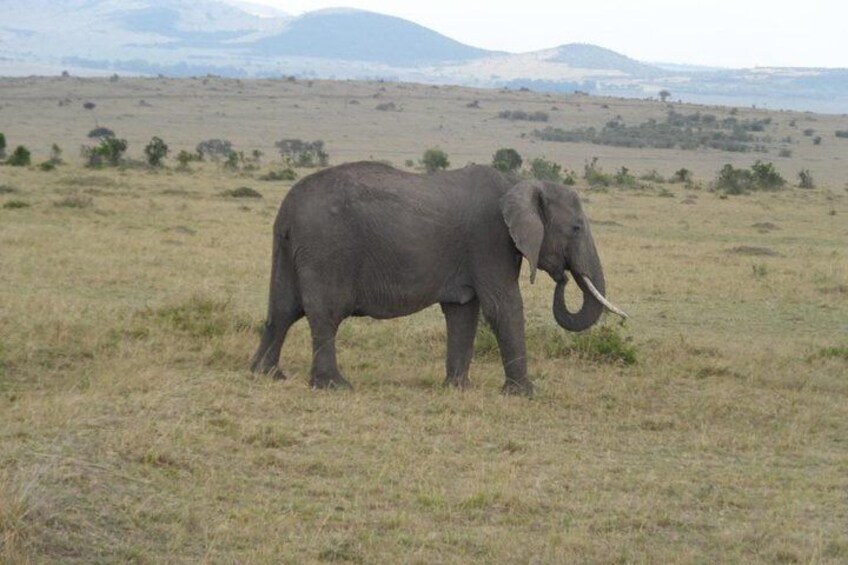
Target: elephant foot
{"points": [[273, 372], [519, 388], [461, 383], [336, 382]]}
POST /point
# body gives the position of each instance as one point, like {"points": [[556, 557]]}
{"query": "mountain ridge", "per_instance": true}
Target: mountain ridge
{"points": [[234, 38]]}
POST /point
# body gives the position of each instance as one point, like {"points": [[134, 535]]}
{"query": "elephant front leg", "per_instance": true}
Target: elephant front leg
{"points": [[461, 321], [507, 321]]}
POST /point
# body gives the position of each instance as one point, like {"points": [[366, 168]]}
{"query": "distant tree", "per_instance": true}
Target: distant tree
{"points": [[507, 160], [155, 151], [435, 159], [215, 149], [303, 153], [101, 132], [664, 95], [55, 154], [89, 105], [682, 175], [805, 179], [20, 157], [109, 152]]}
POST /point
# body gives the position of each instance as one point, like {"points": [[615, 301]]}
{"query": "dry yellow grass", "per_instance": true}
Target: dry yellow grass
{"points": [[130, 429]]}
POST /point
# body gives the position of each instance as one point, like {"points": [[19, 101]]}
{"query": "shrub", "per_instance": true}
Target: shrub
{"points": [[185, 157], [805, 179], [842, 133], [809, 132], [543, 169], [100, 132], [652, 176], [242, 192], [215, 149], [155, 151], [303, 153], [683, 131], [522, 115], [56, 154], [109, 152], [435, 159], [386, 107], [761, 176], [734, 181], [682, 175], [21, 157], [2, 145], [287, 174], [784, 152], [817, 140], [232, 161], [15, 204], [766, 177], [89, 105], [624, 178], [507, 160], [594, 175]]}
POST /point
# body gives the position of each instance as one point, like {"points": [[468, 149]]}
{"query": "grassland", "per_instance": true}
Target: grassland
{"points": [[131, 430]]}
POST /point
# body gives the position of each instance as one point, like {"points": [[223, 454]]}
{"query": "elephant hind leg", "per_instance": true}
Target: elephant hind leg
{"points": [[284, 309], [461, 322]]}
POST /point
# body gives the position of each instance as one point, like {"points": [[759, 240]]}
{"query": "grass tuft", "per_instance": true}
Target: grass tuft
{"points": [[242, 192], [201, 317]]}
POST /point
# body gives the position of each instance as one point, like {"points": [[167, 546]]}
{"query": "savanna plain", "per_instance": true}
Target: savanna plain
{"points": [[131, 297]]}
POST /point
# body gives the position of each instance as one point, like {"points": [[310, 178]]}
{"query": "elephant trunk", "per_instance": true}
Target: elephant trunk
{"points": [[590, 310]]}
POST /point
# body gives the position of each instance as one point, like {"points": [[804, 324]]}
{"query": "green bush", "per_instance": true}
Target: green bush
{"points": [[594, 175], [842, 133], [242, 192], [543, 169], [766, 177], [286, 174], [2, 145], [524, 116], [101, 132], [682, 175], [20, 157], [215, 149], [303, 153], [110, 152], [185, 157], [507, 160], [435, 159], [156, 151], [682, 131], [761, 176]]}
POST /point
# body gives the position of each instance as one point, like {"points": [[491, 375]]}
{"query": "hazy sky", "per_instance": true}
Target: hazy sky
{"points": [[729, 33]]}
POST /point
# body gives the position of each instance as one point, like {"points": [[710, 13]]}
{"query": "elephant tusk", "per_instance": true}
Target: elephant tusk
{"points": [[607, 304]]}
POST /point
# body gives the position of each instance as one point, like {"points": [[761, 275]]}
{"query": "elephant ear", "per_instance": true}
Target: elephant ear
{"points": [[521, 207]]}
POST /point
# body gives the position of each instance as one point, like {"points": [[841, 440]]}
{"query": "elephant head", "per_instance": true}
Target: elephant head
{"points": [[547, 224]]}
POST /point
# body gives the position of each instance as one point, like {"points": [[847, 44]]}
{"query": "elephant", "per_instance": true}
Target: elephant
{"points": [[365, 239]]}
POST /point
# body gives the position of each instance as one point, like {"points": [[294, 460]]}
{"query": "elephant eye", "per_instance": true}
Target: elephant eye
{"points": [[575, 228]]}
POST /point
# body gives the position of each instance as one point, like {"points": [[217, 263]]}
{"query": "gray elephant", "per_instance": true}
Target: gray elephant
{"points": [[364, 239]]}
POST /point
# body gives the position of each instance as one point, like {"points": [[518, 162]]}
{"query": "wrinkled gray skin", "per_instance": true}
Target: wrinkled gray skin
{"points": [[364, 239]]}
